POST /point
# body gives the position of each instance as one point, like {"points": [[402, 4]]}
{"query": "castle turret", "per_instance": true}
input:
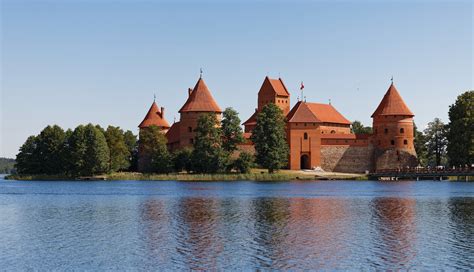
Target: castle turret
{"points": [[154, 117], [393, 132], [199, 101], [272, 91]]}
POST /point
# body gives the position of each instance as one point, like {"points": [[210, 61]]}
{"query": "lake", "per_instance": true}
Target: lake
{"points": [[150, 225]]}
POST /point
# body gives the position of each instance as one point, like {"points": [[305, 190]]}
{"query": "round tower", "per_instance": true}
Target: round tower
{"points": [[393, 137]]}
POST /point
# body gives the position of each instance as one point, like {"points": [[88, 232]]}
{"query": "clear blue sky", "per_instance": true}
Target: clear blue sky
{"points": [[73, 62]]}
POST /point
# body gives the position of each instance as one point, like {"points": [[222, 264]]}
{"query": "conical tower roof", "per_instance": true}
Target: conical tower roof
{"points": [[200, 99], [154, 117], [392, 104]]}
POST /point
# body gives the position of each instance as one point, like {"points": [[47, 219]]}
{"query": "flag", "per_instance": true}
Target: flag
{"points": [[302, 86]]}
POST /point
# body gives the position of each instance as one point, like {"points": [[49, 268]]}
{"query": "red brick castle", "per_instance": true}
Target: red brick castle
{"points": [[318, 135]]}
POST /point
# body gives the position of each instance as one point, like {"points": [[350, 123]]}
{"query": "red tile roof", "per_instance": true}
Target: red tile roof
{"points": [[252, 120], [154, 117], [278, 86], [173, 133], [315, 113], [200, 99], [392, 104]]}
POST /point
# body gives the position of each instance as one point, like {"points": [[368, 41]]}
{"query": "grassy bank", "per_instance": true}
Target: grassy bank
{"points": [[255, 175]]}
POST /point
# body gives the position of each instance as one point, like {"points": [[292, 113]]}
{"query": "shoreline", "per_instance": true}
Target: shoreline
{"points": [[255, 175]]}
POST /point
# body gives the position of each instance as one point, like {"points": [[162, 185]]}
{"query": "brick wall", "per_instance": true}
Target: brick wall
{"points": [[345, 158]]}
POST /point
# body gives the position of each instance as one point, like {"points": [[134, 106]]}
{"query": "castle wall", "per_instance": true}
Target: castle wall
{"points": [[187, 125], [347, 158]]}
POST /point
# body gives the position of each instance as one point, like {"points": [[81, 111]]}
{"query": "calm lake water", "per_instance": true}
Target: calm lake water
{"points": [[136, 225]]}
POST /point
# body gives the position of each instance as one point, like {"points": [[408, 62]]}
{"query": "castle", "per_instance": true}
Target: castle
{"points": [[318, 135]]}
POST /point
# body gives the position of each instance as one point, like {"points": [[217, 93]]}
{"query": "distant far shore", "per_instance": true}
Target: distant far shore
{"points": [[255, 175]]}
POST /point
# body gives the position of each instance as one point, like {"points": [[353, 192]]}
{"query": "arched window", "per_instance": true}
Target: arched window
{"points": [[333, 131], [392, 142], [385, 130], [190, 129], [402, 130], [375, 131], [305, 136], [405, 142]]}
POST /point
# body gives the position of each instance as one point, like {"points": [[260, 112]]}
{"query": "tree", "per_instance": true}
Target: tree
{"points": [[132, 146], [50, 144], [119, 151], [359, 128], [89, 151], [208, 155], [244, 162], [182, 159], [436, 142], [461, 130], [420, 146], [269, 138], [27, 160], [231, 130], [154, 155]]}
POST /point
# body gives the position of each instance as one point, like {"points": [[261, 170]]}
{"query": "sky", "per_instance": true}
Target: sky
{"points": [[75, 62]]}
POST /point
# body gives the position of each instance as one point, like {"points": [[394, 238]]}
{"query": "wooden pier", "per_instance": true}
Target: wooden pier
{"points": [[423, 174]]}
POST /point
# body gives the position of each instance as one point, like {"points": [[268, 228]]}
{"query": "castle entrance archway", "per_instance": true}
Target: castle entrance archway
{"points": [[304, 162]]}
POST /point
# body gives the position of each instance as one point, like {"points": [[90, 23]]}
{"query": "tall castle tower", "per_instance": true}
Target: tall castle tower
{"points": [[154, 117], [272, 91], [199, 101], [393, 132]]}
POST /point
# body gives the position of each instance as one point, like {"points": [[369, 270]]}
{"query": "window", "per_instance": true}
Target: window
{"points": [[392, 142], [405, 142], [385, 130], [304, 124], [190, 129], [305, 136], [375, 131], [402, 130], [191, 141], [333, 131]]}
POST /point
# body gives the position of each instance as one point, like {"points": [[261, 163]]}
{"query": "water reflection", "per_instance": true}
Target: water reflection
{"points": [[394, 221], [281, 226], [199, 240], [462, 231]]}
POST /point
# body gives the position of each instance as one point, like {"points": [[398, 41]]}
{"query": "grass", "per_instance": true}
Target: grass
{"points": [[254, 175]]}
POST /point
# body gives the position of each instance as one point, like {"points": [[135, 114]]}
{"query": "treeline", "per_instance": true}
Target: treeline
{"points": [[86, 150], [7, 166], [91, 150], [449, 144]]}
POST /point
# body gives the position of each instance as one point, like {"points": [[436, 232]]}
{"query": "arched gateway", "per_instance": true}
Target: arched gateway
{"points": [[304, 163]]}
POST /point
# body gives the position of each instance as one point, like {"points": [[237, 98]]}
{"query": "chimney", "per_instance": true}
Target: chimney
{"points": [[190, 91], [162, 112]]}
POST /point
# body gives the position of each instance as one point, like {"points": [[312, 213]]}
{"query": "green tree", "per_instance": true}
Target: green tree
{"points": [[119, 151], [154, 155], [231, 130], [359, 128], [27, 160], [89, 151], [132, 146], [436, 142], [182, 159], [461, 130], [244, 162], [208, 155], [420, 146], [50, 144], [269, 138]]}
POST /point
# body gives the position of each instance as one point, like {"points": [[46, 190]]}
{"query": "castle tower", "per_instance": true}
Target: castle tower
{"points": [[393, 132], [154, 117], [271, 91], [199, 101]]}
